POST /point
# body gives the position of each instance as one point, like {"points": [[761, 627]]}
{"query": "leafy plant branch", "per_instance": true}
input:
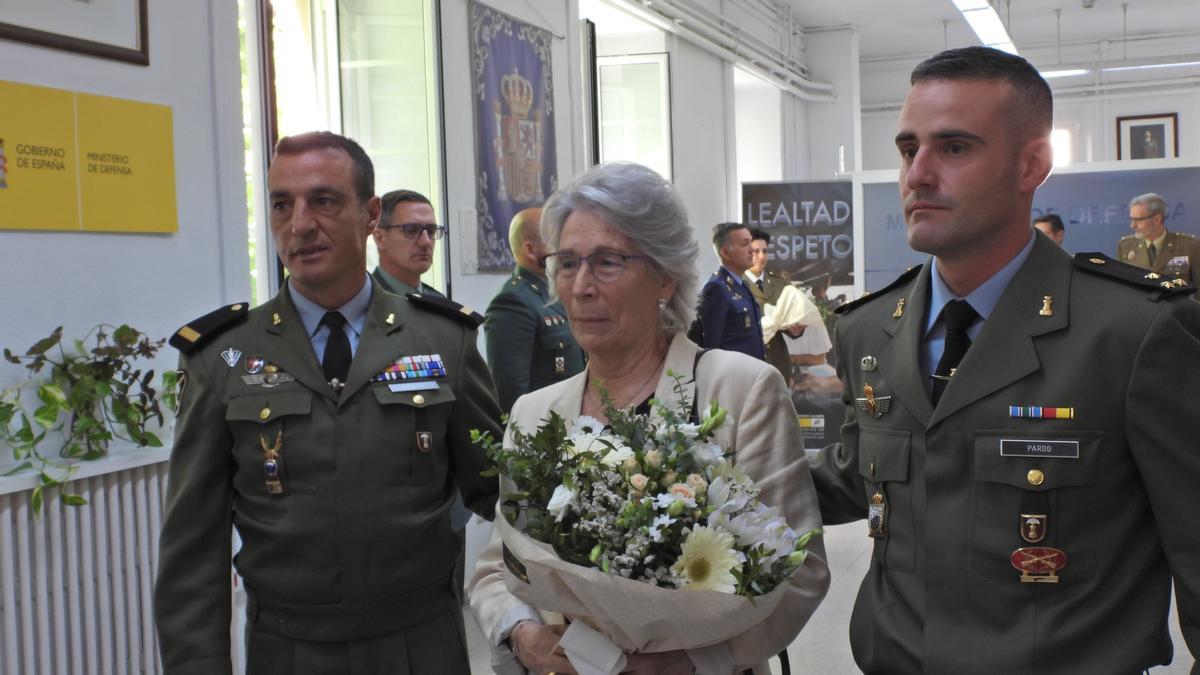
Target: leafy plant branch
{"points": [[88, 392]]}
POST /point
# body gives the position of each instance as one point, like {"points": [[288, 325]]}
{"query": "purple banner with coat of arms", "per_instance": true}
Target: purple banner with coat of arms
{"points": [[514, 126]]}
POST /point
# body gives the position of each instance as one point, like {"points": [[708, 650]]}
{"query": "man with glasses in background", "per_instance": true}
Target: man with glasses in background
{"points": [[404, 240], [1152, 246]]}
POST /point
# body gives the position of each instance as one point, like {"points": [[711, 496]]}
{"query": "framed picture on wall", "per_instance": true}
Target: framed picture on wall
{"points": [[111, 29], [1148, 136]]}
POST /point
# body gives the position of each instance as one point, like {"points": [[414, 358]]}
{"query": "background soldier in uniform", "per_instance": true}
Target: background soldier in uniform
{"points": [[1026, 474], [766, 286], [728, 316], [405, 241], [1153, 247], [330, 426], [529, 344]]}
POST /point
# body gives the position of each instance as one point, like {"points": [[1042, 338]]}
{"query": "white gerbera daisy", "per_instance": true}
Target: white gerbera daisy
{"points": [[707, 562]]}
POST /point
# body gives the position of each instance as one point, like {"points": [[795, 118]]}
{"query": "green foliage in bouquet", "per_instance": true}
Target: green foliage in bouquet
{"points": [[649, 497], [91, 394]]}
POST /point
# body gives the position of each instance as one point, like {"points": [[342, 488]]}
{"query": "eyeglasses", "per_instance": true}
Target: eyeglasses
{"points": [[1135, 219], [414, 230], [605, 266]]}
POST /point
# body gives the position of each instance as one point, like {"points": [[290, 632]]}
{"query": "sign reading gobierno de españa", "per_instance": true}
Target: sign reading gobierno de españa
{"points": [[79, 162]]}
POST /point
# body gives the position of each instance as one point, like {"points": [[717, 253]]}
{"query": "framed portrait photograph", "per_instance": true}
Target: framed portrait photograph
{"points": [[1148, 136], [110, 29]]}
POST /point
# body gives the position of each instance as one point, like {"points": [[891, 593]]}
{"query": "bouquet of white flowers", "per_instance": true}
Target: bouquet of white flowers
{"points": [[652, 499]]}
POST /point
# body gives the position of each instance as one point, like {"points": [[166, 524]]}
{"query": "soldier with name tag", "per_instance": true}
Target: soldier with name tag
{"points": [[728, 316], [1019, 437], [330, 428], [1173, 255], [529, 343]]}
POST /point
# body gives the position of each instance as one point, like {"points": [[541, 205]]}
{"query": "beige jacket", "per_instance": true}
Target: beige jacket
{"points": [[763, 432]]}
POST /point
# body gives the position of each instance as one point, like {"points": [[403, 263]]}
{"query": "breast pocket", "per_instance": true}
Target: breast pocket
{"points": [[883, 461], [1024, 471], [411, 433], [276, 423]]}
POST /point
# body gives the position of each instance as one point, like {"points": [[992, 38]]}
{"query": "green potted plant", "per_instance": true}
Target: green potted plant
{"points": [[87, 394]]}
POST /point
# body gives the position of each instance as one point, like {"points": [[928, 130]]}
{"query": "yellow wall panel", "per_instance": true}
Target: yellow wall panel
{"points": [[127, 177], [71, 161], [37, 141]]}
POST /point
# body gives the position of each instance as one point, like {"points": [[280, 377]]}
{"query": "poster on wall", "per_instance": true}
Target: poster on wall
{"points": [[74, 161], [514, 126], [812, 246]]}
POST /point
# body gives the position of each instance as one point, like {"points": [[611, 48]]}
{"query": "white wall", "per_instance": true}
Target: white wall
{"points": [[833, 128], [702, 133], [1092, 119], [153, 282], [757, 110]]}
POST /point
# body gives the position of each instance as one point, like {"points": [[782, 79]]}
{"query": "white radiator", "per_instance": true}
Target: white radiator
{"points": [[76, 582]]}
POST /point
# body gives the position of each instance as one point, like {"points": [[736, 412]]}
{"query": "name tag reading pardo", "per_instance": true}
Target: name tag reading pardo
{"points": [[1024, 447], [1038, 564]]}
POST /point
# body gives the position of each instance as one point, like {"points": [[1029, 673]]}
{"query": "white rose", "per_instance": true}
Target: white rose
{"points": [[617, 456], [654, 459], [560, 502]]}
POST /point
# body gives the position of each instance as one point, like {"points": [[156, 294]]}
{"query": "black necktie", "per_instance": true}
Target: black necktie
{"points": [[336, 362], [957, 315], [1152, 252], [759, 283]]}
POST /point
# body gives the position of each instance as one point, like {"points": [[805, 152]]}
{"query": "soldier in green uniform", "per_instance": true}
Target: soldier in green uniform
{"points": [[766, 287], [330, 427], [405, 240], [529, 344], [1025, 472], [1174, 255]]}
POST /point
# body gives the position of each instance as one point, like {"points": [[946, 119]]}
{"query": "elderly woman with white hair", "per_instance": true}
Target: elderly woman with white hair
{"points": [[623, 265]]}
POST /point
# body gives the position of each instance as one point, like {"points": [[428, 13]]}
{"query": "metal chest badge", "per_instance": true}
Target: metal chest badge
{"points": [[1038, 564], [271, 462], [875, 406], [877, 516], [263, 374], [1033, 527]]}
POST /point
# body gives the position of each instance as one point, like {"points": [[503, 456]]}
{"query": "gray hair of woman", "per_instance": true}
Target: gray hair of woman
{"points": [[640, 204]]}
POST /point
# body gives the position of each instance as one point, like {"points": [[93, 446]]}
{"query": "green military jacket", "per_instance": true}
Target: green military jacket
{"points": [[529, 343], [357, 524], [1069, 425], [777, 349], [1180, 257]]}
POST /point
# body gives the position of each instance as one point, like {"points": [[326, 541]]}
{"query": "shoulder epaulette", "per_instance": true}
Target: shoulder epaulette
{"points": [[904, 278], [1189, 235], [448, 308], [1104, 266], [1129, 236], [196, 332]]}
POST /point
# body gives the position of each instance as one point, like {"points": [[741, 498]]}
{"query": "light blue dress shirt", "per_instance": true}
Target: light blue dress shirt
{"points": [[983, 300], [355, 312]]}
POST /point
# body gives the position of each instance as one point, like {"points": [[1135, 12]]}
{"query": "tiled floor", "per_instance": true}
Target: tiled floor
{"points": [[823, 647]]}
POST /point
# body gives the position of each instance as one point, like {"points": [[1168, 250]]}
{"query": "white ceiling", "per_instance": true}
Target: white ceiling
{"points": [[892, 29]]}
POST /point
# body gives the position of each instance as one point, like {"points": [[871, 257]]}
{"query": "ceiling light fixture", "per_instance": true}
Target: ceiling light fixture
{"points": [[986, 23], [1063, 72], [1147, 66]]}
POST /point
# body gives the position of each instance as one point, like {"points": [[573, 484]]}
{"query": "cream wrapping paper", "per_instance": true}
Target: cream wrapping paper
{"points": [[634, 615], [792, 308]]}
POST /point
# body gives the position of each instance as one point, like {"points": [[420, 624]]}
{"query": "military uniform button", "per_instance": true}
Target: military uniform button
{"points": [[418, 399], [264, 413], [1035, 477]]}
